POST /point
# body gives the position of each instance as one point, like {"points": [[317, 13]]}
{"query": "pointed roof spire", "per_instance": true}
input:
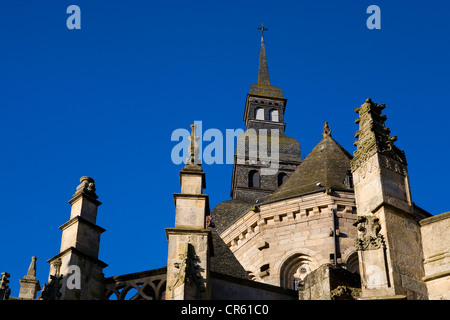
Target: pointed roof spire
{"points": [[263, 87], [328, 163], [263, 71], [31, 274]]}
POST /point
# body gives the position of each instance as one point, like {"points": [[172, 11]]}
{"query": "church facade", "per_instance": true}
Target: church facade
{"points": [[329, 226]]}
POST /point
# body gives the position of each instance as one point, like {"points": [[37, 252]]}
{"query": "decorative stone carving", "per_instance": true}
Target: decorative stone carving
{"points": [[373, 136], [51, 291], [193, 147], [189, 272], [5, 291], [180, 275], [369, 237], [87, 185], [345, 293], [326, 130]]}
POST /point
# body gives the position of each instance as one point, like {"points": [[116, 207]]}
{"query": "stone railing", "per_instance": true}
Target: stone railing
{"points": [[146, 285]]}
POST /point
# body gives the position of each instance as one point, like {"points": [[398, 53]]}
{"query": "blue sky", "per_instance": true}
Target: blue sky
{"points": [[103, 101]]}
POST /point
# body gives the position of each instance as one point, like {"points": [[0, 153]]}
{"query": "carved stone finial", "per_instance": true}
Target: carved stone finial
{"points": [[57, 264], [87, 185], [373, 136], [4, 280], [326, 130], [193, 148], [5, 291], [31, 274]]}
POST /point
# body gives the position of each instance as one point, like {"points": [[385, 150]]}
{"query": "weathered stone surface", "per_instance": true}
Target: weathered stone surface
{"points": [[329, 282], [436, 250]]}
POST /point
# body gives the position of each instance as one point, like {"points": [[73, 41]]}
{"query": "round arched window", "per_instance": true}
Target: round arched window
{"points": [[253, 179]]}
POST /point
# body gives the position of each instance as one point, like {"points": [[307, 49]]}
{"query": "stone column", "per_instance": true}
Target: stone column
{"points": [[190, 242], [78, 263], [29, 286]]}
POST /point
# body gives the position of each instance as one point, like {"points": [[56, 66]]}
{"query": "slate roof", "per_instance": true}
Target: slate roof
{"points": [[223, 261], [328, 163], [225, 213]]}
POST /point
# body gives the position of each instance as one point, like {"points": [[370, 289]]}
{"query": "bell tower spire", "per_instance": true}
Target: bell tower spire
{"points": [[263, 71], [263, 117], [263, 87]]}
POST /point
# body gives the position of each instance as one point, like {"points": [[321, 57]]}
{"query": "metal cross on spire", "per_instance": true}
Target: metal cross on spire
{"points": [[262, 29]]}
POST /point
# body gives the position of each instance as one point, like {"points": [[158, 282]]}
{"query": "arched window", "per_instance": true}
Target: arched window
{"points": [[253, 179], [274, 115], [295, 269], [282, 177], [259, 114], [353, 263]]}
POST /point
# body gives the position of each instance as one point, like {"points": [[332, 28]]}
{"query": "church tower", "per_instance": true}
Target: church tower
{"points": [[265, 156]]}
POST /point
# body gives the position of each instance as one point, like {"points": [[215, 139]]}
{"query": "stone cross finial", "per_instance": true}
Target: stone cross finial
{"points": [[193, 147], [326, 130]]}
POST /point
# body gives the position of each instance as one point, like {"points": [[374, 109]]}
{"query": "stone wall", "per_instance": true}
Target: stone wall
{"points": [[224, 287], [287, 240], [436, 251], [329, 282]]}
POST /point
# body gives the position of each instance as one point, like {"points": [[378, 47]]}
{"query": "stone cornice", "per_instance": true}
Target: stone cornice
{"points": [[81, 220], [80, 254], [436, 218], [86, 196]]}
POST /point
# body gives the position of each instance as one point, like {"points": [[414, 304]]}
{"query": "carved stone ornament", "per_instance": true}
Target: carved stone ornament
{"points": [[5, 291], [369, 237], [326, 130], [189, 271], [373, 136], [87, 184], [193, 148], [180, 274]]}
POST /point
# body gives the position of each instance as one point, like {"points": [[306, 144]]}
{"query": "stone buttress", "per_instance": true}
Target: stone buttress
{"points": [[389, 241]]}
